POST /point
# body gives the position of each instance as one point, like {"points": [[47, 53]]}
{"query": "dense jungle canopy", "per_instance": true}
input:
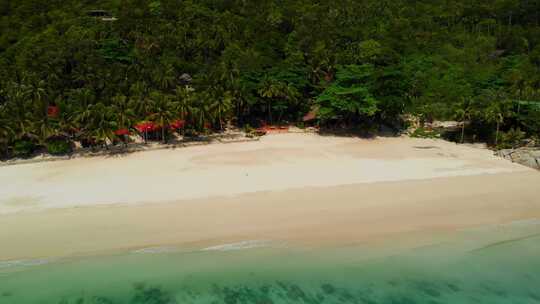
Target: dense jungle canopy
{"points": [[83, 70]]}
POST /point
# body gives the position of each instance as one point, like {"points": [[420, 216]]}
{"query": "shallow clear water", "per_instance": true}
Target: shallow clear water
{"points": [[488, 265]]}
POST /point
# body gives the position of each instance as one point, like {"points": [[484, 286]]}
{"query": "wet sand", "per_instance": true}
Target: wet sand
{"points": [[337, 215]]}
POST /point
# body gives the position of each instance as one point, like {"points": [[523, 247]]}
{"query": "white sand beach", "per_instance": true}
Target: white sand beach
{"points": [[300, 188], [277, 162]]}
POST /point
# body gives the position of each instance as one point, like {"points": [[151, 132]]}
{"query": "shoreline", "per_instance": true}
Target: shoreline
{"points": [[442, 244]]}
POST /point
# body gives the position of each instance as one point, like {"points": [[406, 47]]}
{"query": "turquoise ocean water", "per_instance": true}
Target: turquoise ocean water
{"points": [[496, 264]]}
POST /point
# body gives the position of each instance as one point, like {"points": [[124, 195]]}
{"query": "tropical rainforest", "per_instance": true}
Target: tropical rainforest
{"points": [[89, 71]]}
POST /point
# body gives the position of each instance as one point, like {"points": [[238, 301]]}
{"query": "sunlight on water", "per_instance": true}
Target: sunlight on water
{"points": [[492, 265]]}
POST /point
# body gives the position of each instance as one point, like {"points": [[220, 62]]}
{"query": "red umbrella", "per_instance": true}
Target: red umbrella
{"points": [[146, 126], [121, 132], [177, 124], [52, 111]]}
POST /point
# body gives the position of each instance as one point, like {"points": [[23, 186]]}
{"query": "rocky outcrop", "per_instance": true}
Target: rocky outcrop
{"points": [[529, 157]]}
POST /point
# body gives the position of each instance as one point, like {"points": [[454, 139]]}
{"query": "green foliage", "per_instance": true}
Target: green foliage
{"points": [[155, 8], [350, 96], [370, 51], [59, 147], [191, 133], [23, 148], [151, 295], [511, 139], [115, 50], [425, 133], [361, 62]]}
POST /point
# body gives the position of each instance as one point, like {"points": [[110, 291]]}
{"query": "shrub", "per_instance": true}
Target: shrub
{"points": [[248, 129], [511, 139], [190, 132], [425, 133], [59, 147], [301, 125], [23, 148], [4, 150], [536, 141]]}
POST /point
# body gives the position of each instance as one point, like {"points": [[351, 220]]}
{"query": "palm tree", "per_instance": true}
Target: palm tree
{"points": [[43, 129], [77, 110], [269, 90], [496, 113], [42, 126], [163, 112], [124, 114], [222, 106], [39, 98], [291, 95], [19, 105], [183, 104], [183, 99], [240, 92], [82, 120], [201, 110], [165, 77], [463, 113], [66, 119], [102, 124], [7, 132], [138, 90], [272, 89], [124, 111], [143, 106]]}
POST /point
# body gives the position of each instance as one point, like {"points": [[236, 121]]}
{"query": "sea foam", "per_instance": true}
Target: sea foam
{"points": [[239, 245], [24, 263]]}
